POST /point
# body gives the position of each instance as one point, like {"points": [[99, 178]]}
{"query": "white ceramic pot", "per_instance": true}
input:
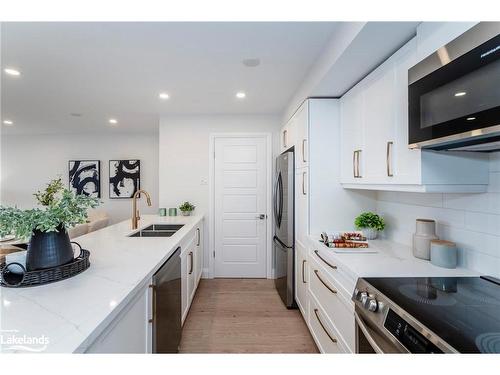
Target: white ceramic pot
{"points": [[186, 213], [369, 233], [425, 232]]}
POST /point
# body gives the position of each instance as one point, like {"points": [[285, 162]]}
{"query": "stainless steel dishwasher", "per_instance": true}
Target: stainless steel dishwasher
{"points": [[166, 317]]}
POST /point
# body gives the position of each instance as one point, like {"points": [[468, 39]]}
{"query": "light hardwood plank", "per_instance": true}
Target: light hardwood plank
{"points": [[243, 316]]}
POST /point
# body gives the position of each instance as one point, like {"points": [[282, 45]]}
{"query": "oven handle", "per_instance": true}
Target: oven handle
{"points": [[366, 331]]}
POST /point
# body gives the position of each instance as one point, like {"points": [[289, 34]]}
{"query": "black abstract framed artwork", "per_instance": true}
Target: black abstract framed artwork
{"points": [[124, 178], [85, 177]]}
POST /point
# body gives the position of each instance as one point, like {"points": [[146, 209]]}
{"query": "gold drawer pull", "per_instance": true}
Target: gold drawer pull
{"points": [[323, 259], [324, 283], [324, 328], [303, 278]]}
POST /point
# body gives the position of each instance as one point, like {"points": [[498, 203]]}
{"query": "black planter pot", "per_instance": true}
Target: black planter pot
{"points": [[48, 249]]}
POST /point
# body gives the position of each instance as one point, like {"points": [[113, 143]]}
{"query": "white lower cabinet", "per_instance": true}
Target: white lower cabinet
{"points": [[335, 300], [301, 279], [324, 333], [130, 331]]}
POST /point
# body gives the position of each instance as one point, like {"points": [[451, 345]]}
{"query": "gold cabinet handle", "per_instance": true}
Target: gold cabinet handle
{"points": [[324, 283], [284, 137], [358, 154], [199, 236], [191, 262], [334, 340], [304, 192], [303, 278], [389, 157], [324, 260], [304, 150], [355, 175], [153, 290]]}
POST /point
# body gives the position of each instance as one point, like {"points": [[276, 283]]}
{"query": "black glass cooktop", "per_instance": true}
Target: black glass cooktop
{"points": [[463, 311]]}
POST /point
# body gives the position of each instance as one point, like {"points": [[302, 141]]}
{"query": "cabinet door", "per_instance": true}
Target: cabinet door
{"points": [[302, 136], [351, 136], [406, 163], [302, 205], [301, 279], [379, 124], [130, 331], [184, 284], [190, 264], [199, 254]]}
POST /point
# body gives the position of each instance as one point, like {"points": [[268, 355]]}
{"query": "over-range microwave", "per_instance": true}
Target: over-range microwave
{"points": [[454, 94]]}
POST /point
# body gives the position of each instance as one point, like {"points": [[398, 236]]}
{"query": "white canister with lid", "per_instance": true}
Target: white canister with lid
{"points": [[425, 232]]}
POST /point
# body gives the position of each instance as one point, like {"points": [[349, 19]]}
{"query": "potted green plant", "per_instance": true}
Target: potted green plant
{"points": [[186, 208], [46, 228], [370, 224]]}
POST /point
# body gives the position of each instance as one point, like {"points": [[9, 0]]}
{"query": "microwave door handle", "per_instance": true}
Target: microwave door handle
{"points": [[366, 332]]}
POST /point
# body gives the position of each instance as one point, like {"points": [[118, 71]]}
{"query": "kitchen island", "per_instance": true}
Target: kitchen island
{"points": [[70, 315]]}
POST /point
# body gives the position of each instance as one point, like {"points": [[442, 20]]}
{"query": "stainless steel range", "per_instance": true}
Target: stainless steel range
{"points": [[427, 315]]}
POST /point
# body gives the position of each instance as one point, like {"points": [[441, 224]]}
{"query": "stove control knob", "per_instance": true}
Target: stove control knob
{"points": [[371, 304], [363, 297], [357, 294]]}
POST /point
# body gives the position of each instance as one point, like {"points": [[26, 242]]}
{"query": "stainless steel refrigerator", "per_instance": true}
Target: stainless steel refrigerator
{"points": [[283, 240]]}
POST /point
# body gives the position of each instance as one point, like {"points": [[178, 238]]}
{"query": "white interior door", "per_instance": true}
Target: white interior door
{"points": [[240, 191]]}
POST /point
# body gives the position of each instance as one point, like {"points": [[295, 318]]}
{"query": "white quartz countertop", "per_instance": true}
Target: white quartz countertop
{"points": [[390, 260], [73, 312]]}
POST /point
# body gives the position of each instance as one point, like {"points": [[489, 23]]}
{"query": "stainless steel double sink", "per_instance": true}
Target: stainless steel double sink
{"points": [[158, 230]]}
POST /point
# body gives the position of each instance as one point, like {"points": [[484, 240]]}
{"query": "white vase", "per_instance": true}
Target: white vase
{"points": [[186, 213], [425, 232], [369, 233]]}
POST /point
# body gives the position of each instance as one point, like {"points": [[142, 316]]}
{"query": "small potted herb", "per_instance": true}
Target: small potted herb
{"points": [[370, 224], [186, 208], [46, 227]]}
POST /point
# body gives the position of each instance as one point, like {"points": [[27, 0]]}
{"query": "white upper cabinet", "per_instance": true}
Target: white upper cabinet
{"points": [[301, 123], [287, 134], [374, 136]]}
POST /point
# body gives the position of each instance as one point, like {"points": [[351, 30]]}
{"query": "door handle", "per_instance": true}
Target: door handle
{"points": [[355, 174], [261, 217], [199, 236], [153, 294], [191, 262], [285, 132]]}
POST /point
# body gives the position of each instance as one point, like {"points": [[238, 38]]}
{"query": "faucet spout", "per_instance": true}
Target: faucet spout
{"points": [[135, 212]]}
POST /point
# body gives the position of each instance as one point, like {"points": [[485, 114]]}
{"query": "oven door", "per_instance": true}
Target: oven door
{"points": [[453, 95], [371, 340]]}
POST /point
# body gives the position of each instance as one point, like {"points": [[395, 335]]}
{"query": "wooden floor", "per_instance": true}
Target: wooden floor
{"points": [[243, 316]]}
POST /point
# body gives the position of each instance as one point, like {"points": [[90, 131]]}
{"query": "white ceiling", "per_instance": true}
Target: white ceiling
{"points": [[104, 70]]}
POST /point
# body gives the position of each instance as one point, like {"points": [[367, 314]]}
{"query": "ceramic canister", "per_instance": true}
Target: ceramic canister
{"points": [[444, 254], [425, 232]]}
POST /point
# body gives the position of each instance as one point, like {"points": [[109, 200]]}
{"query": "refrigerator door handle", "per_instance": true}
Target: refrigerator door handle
{"points": [[280, 212], [275, 200]]}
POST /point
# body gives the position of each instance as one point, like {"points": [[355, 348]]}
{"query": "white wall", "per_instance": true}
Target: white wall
{"points": [[29, 162], [470, 220], [184, 156]]}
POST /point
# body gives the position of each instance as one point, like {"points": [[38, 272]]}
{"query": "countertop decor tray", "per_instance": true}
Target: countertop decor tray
{"points": [[15, 275]]}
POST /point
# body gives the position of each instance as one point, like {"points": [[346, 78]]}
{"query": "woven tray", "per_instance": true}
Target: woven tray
{"points": [[24, 278]]}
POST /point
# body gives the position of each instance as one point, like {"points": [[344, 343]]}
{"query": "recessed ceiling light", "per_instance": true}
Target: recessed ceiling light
{"points": [[8, 122], [12, 72], [251, 63], [471, 118], [460, 93], [163, 96], [113, 121], [241, 95]]}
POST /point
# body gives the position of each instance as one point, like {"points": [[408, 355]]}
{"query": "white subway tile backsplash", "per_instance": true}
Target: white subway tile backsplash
{"points": [[470, 220], [483, 223], [486, 202], [494, 185]]}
